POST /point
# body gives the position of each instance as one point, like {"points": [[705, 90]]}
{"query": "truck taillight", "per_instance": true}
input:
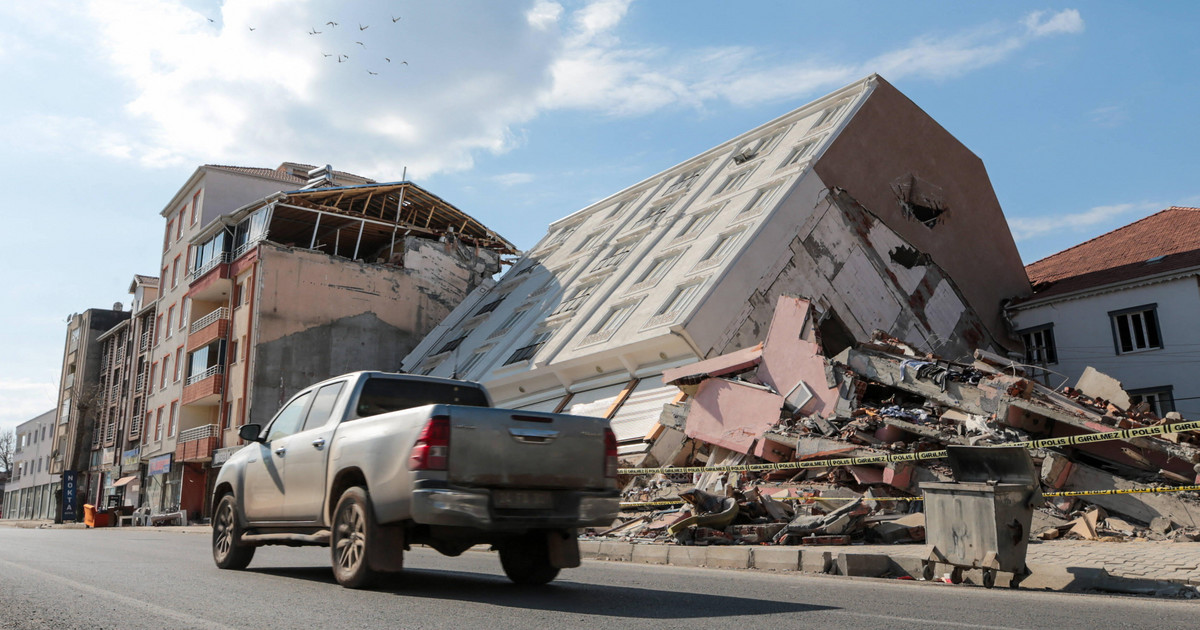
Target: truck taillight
{"points": [[610, 453], [432, 450]]}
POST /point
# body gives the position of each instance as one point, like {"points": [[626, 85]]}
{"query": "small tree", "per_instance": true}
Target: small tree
{"points": [[8, 444]]}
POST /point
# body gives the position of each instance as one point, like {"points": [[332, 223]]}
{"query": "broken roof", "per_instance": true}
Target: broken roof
{"points": [[1166, 241]]}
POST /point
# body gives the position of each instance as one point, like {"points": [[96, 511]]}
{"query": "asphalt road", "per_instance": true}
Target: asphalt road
{"points": [[142, 578]]}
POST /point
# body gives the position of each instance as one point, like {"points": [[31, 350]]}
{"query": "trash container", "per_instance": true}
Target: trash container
{"points": [[93, 517], [982, 519]]}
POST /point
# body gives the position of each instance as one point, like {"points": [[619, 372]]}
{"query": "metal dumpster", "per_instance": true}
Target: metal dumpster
{"points": [[981, 521]]}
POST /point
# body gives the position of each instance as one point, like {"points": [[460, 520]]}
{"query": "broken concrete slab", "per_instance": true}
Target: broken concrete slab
{"points": [[1060, 473], [1096, 384]]}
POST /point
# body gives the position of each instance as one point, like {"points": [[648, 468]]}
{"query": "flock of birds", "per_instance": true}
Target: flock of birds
{"points": [[342, 57]]}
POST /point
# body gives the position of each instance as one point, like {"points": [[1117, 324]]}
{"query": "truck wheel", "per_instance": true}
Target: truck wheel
{"points": [[228, 552], [353, 526], [526, 560]]}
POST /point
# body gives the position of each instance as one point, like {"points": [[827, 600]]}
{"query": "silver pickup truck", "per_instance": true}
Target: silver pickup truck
{"points": [[371, 463]]}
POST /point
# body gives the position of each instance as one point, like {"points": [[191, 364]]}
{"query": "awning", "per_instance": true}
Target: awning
{"points": [[124, 480]]}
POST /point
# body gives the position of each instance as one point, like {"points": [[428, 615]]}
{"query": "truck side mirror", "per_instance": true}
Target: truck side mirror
{"points": [[250, 432]]}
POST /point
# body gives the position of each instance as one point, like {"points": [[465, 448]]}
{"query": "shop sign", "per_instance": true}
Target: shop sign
{"points": [[109, 457], [221, 455], [159, 465], [68, 495], [131, 459]]}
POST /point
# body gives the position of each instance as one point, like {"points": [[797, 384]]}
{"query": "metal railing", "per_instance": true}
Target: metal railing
{"points": [[216, 315], [139, 383], [219, 259], [198, 433], [212, 371], [147, 339]]}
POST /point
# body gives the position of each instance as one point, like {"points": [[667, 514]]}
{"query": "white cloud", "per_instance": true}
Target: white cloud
{"points": [[512, 179], [1065, 21], [1111, 116], [409, 95], [1100, 216], [24, 399]]}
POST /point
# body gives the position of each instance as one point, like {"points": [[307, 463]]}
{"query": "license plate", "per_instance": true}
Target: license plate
{"points": [[523, 499]]}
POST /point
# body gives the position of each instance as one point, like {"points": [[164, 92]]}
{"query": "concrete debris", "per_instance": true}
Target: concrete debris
{"points": [[785, 400]]}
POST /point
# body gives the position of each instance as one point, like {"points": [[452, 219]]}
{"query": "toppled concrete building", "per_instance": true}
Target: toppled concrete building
{"points": [[784, 421], [858, 199]]}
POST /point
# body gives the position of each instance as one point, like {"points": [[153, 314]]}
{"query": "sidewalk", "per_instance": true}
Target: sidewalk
{"points": [[1149, 568]]}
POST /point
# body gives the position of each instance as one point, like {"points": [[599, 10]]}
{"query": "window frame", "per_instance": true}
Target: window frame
{"points": [[1163, 394], [1114, 321], [1050, 350]]}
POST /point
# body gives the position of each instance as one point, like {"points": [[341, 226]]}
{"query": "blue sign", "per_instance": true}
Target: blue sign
{"points": [[159, 465], [68, 496]]}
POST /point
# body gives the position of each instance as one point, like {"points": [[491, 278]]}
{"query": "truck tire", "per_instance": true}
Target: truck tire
{"points": [[352, 536], [228, 551], [526, 560]]}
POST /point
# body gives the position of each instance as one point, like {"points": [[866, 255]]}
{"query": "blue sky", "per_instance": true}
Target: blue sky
{"points": [[523, 112]]}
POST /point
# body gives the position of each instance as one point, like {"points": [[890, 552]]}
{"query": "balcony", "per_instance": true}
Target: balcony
{"points": [[210, 282], [204, 389], [139, 384], [146, 340], [207, 329], [197, 444]]}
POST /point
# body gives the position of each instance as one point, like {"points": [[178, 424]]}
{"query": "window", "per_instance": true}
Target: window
{"points": [[762, 146], [153, 368], [762, 199], [734, 181], [1160, 399], [721, 248], [831, 112], [289, 419], [1039, 345], [170, 318], [453, 343], [195, 207], [179, 226], [167, 240], [617, 254], [237, 295], [183, 311], [175, 273], [162, 377], [174, 420], [233, 347], [657, 269], [322, 407], [578, 296], [1136, 329], [590, 241], [651, 217], [158, 425], [560, 236], [465, 368], [800, 152], [686, 179], [490, 306], [696, 223], [679, 299], [527, 351], [178, 362], [619, 208], [613, 319]]}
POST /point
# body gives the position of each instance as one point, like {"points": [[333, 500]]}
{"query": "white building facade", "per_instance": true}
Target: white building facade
{"points": [[858, 201], [30, 492]]}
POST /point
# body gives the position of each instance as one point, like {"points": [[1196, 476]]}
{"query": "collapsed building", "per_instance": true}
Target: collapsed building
{"points": [[805, 446], [858, 199]]}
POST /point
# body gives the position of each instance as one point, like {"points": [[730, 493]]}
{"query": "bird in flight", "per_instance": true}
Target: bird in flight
{"points": [[361, 44], [340, 60], [395, 19], [250, 27], [388, 59], [363, 28], [314, 32], [209, 19], [327, 54], [372, 73], [333, 24], [404, 62]]}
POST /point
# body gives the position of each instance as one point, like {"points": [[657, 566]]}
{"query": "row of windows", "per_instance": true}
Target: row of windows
{"points": [[1134, 330], [175, 223]]}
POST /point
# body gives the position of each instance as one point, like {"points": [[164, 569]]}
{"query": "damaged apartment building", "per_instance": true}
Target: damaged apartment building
{"points": [[272, 279], [858, 200]]}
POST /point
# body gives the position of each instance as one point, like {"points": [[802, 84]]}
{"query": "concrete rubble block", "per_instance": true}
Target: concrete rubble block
{"points": [[816, 561], [682, 556], [1096, 384], [651, 554], [729, 557], [777, 558], [863, 564], [615, 550], [1061, 474]]}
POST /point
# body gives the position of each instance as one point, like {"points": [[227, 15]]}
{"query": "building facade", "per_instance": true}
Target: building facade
{"points": [[31, 489], [1123, 303], [859, 201]]}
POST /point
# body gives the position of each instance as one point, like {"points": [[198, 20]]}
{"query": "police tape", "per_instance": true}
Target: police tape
{"points": [[1072, 493], [1088, 438]]}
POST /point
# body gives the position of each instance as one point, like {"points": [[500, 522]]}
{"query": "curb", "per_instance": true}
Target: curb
{"points": [[818, 560]]}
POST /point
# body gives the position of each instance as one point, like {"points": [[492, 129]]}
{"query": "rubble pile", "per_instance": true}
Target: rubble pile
{"points": [[783, 444]]}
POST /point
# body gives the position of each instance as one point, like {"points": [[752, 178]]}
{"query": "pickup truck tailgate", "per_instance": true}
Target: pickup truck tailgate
{"points": [[501, 448]]}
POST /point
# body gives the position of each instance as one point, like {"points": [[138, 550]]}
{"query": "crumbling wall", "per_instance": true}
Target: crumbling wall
{"points": [[318, 316]]}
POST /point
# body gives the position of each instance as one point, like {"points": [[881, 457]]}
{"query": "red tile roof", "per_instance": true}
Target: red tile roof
{"points": [[1171, 239]]}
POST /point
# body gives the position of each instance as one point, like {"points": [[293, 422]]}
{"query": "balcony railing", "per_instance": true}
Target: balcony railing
{"points": [[219, 259], [199, 433], [210, 372], [216, 315], [139, 383], [147, 339]]}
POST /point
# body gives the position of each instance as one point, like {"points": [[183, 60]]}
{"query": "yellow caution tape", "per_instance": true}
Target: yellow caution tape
{"points": [[1087, 438], [1073, 493]]}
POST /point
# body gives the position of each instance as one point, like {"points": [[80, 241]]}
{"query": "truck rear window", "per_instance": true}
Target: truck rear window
{"points": [[381, 395]]}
